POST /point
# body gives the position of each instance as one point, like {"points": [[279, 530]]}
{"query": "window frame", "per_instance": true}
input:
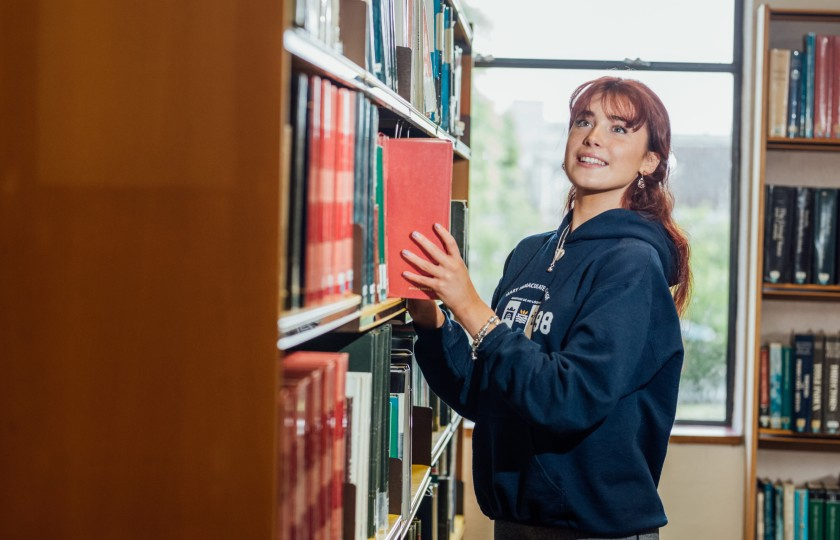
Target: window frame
{"points": [[735, 68]]}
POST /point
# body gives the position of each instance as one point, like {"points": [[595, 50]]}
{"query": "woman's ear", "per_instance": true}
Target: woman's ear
{"points": [[649, 163]]}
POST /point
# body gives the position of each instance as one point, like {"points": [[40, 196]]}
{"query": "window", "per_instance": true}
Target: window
{"points": [[522, 84]]}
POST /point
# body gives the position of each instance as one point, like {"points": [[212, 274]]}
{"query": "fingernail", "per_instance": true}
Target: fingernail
{"points": [[415, 234], [404, 252], [438, 226]]}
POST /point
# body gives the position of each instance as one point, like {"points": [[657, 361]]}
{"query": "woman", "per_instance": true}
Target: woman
{"points": [[573, 371]]}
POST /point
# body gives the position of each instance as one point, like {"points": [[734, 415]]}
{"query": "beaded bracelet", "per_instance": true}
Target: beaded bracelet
{"points": [[480, 336]]}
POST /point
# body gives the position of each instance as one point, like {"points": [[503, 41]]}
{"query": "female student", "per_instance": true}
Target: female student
{"points": [[572, 373]]}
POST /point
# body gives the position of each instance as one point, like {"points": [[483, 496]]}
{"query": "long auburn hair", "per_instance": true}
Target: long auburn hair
{"points": [[639, 106]]}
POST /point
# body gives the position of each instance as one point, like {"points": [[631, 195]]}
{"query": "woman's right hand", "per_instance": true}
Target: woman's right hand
{"points": [[425, 313]]}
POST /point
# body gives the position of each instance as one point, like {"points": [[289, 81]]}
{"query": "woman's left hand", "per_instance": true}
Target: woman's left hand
{"points": [[448, 277]]}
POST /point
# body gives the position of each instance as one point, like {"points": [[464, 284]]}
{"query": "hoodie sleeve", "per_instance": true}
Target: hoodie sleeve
{"points": [[443, 355], [607, 353]]}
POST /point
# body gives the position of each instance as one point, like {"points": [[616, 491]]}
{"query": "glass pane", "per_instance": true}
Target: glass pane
{"points": [[653, 30], [520, 120]]}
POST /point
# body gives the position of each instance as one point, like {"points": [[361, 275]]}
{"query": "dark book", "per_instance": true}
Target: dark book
{"points": [[825, 237], [794, 92], [295, 243], [816, 509], [817, 387], [831, 382], [802, 235], [803, 368], [778, 233], [459, 227], [832, 509]]}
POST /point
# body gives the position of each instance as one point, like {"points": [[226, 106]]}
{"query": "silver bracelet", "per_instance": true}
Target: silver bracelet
{"points": [[480, 336]]}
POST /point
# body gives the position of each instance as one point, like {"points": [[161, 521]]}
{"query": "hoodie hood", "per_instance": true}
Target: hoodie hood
{"points": [[623, 223]]}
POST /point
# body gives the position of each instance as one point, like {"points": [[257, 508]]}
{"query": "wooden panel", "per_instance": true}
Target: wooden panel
{"points": [[138, 281]]}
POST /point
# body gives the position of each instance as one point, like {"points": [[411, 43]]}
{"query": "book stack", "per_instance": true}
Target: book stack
{"points": [[800, 235], [804, 93], [312, 450], [808, 511], [799, 383]]}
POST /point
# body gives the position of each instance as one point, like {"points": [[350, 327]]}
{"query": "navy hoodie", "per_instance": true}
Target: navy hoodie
{"points": [[571, 425]]}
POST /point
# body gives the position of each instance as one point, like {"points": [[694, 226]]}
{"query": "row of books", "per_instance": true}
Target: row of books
{"points": [[407, 44], [356, 416], [798, 384], [356, 195], [800, 235], [804, 94], [810, 511]]}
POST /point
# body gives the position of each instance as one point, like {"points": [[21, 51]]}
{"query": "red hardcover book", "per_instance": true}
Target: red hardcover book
{"points": [[329, 95], [297, 516], [823, 87], [835, 87], [333, 369], [313, 264], [312, 441], [344, 191], [418, 189], [286, 466]]}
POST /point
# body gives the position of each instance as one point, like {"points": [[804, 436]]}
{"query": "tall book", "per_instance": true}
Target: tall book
{"points": [[787, 387], [313, 255], [794, 93], [459, 222], [775, 384], [777, 94], [832, 508], [831, 385], [807, 127], [816, 509], [417, 196], [764, 387], [803, 235], [295, 259], [823, 87], [803, 368], [825, 237], [800, 513], [817, 387], [778, 233]]}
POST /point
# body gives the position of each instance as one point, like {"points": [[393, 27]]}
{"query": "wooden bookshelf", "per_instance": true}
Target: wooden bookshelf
{"points": [[780, 308]]}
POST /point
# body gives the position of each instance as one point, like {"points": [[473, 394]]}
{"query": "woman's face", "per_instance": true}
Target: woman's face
{"points": [[603, 156]]}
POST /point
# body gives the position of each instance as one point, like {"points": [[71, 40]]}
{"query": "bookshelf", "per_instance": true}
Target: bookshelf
{"points": [[342, 321], [140, 299], [782, 308]]}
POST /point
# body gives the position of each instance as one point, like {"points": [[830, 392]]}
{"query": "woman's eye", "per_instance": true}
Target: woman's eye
{"points": [[619, 129], [583, 122]]}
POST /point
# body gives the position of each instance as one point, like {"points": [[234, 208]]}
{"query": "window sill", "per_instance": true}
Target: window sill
{"points": [[724, 435]]}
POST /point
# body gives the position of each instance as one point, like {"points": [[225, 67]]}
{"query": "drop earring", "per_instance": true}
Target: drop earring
{"points": [[641, 182]]}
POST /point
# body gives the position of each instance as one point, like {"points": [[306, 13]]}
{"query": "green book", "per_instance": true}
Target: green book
{"points": [[832, 510], [787, 387], [825, 237], [816, 510]]}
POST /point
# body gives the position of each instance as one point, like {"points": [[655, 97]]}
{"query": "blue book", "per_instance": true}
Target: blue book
{"points": [[800, 514], [808, 86], [794, 91], [775, 377], [787, 387]]}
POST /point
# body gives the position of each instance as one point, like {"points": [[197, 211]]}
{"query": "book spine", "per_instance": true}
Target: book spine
{"points": [[822, 87], [803, 349], [808, 92], [778, 232], [825, 237], [787, 387], [817, 407], [764, 387], [775, 375], [802, 237], [777, 92], [793, 94], [831, 382]]}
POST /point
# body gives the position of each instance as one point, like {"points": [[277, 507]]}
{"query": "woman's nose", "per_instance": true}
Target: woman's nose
{"points": [[593, 137]]}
